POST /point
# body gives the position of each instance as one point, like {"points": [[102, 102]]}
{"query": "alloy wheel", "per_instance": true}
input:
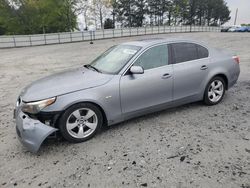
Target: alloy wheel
{"points": [[81, 123], [215, 91]]}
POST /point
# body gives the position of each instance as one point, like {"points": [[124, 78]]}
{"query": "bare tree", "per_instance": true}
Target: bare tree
{"points": [[83, 8], [100, 9]]}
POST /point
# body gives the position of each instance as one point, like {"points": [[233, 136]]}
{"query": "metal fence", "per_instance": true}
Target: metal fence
{"points": [[12, 41]]}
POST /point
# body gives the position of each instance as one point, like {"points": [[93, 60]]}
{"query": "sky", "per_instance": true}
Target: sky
{"points": [[244, 11]]}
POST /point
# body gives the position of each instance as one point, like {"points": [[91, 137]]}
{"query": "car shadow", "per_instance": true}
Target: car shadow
{"points": [[57, 143], [149, 116]]}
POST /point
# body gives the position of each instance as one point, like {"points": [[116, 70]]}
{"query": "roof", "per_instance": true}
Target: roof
{"points": [[153, 41]]}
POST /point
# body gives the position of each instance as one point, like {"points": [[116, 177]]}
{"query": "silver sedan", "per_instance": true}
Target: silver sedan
{"points": [[126, 81]]}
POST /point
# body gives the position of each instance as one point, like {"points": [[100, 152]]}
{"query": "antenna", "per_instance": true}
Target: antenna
{"points": [[236, 15]]}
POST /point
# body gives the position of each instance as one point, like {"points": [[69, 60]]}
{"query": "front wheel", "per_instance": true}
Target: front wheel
{"points": [[80, 122], [215, 91]]}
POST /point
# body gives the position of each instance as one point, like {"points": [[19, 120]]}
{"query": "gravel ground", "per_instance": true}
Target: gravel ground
{"points": [[189, 146]]}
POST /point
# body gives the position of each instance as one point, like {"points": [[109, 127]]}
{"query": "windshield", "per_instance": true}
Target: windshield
{"points": [[114, 59]]}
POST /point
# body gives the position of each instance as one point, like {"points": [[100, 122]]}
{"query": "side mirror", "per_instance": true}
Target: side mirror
{"points": [[136, 70]]}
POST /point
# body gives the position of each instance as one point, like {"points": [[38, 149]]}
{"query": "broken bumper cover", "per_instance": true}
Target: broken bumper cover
{"points": [[31, 133]]}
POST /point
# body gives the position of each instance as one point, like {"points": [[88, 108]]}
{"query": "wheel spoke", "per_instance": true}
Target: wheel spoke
{"points": [[71, 126], [77, 114], [218, 85], [91, 125], [80, 133], [210, 93], [213, 85], [214, 96], [89, 114], [218, 92]]}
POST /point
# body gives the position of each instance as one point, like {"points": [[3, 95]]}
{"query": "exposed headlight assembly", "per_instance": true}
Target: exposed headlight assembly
{"points": [[36, 107]]}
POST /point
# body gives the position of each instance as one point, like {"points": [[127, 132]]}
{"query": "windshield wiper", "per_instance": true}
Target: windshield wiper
{"points": [[92, 67]]}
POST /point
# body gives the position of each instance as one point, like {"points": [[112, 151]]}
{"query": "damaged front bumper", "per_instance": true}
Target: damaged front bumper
{"points": [[31, 133]]}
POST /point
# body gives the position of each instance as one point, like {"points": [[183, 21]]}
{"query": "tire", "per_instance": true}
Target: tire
{"points": [[80, 122], [215, 91]]}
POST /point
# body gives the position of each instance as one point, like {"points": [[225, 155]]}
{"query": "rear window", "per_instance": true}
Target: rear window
{"points": [[183, 52]]}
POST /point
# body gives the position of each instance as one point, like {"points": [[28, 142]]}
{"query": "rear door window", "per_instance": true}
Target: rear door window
{"points": [[202, 52], [183, 52]]}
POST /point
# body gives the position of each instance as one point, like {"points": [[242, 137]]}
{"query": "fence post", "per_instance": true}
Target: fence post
{"points": [[30, 40], [158, 28], [113, 33], [59, 40], [130, 31], [70, 37], [103, 34], [145, 29], [152, 29], [121, 32], [91, 37], [82, 35], [137, 31], [170, 29], [14, 40], [45, 41]]}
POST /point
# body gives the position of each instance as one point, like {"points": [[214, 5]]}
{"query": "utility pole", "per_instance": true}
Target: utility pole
{"points": [[236, 15]]}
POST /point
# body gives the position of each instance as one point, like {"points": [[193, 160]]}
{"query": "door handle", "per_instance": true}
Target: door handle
{"points": [[166, 76], [204, 67]]}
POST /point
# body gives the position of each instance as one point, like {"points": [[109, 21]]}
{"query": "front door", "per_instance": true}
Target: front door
{"points": [[140, 92]]}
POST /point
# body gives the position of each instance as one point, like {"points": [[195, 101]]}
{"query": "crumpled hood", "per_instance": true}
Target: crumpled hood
{"points": [[63, 83]]}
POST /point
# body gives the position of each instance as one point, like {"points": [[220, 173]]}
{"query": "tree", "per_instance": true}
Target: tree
{"points": [[108, 24], [38, 16], [114, 12], [83, 6], [8, 18], [47, 16], [139, 13], [99, 9]]}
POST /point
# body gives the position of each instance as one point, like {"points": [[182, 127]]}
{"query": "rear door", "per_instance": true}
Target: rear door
{"points": [[190, 67]]}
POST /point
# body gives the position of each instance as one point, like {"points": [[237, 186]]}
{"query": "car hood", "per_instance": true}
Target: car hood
{"points": [[63, 83]]}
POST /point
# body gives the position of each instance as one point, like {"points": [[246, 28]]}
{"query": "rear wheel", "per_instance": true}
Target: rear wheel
{"points": [[215, 91], [80, 122]]}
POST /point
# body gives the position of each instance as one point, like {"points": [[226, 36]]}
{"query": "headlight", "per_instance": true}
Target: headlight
{"points": [[35, 107]]}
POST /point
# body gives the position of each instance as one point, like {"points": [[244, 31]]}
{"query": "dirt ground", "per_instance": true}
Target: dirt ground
{"points": [[189, 146]]}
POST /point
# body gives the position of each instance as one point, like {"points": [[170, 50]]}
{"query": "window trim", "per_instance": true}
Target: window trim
{"points": [[146, 49], [196, 44]]}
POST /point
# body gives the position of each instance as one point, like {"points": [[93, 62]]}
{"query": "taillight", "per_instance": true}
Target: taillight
{"points": [[237, 59]]}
